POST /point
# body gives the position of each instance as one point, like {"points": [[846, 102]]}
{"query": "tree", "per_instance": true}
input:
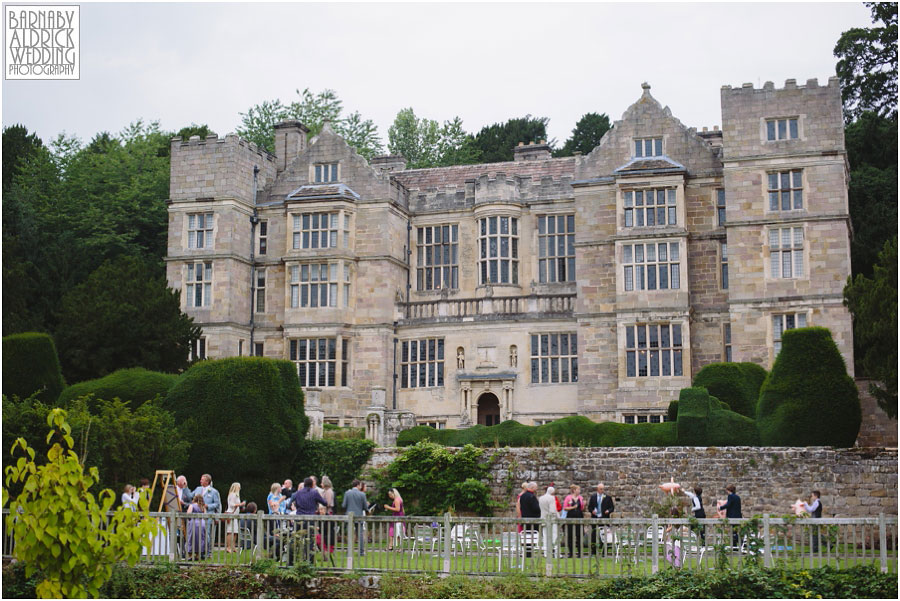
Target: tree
{"points": [[123, 315], [313, 110], [18, 147], [873, 303], [425, 144], [872, 152], [868, 64], [60, 528], [586, 136], [455, 146], [495, 142]]}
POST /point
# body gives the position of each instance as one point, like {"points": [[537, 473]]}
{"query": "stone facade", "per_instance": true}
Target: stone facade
{"points": [[877, 429], [532, 289], [853, 482]]}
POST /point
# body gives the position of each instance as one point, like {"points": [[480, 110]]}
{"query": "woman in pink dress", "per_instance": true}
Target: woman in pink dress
{"points": [[395, 530]]}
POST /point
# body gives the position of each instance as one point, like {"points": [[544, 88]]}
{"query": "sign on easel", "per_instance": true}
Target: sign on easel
{"points": [[168, 501]]}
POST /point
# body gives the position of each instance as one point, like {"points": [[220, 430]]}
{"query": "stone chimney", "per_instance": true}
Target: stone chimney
{"points": [[534, 151], [290, 141], [388, 162]]}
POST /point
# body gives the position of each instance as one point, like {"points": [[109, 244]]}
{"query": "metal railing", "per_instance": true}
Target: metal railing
{"points": [[537, 547]]}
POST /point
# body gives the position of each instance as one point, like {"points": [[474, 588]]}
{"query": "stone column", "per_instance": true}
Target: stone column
{"points": [[315, 413], [375, 416]]}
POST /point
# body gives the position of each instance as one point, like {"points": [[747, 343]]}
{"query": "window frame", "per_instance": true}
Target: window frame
{"points": [[197, 351], [727, 354], [330, 360], [207, 229], [723, 264], [262, 247], [412, 374], [632, 268], [555, 262], [203, 285], [326, 173], [547, 364], [794, 250], [655, 144], [333, 292], [777, 192], [720, 207], [666, 347], [636, 215], [437, 260], [259, 291], [302, 237], [773, 129], [486, 262]]}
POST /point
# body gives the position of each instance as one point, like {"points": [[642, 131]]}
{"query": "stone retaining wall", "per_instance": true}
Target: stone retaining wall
{"points": [[858, 482]]}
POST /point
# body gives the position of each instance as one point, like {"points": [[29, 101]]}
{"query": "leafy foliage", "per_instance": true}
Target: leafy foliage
{"points": [[808, 398], [123, 315], [30, 365], [340, 460], [212, 402], [135, 386], [569, 431], [872, 151], [495, 142], [313, 110], [433, 479], [586, 136], [60, 528], [736, 384], [18, 147], [868, 64], [425, 144], [873, 303], [124, 444]]}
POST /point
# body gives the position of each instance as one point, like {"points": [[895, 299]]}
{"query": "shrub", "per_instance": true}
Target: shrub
{"points": [[808, 398], [569, 431], [672, 412], [736, 384], [244, 417], [693, 416], [135, 386], [433, 479], [340, 460], [727, 428], [30, 364]]}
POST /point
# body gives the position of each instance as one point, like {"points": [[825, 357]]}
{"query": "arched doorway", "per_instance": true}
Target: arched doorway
{"points": [[488, 409]]}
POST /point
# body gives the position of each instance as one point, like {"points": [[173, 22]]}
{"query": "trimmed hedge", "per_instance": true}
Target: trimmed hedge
{"points": [[730, 429], [135, 386], [571, 431], [30, 363], [736, 384], [245, 420], [672, 411], [693, 414], [808, 398]]}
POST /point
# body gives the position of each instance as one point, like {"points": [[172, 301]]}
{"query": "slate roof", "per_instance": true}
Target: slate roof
{"points": [[440, 177], [662, 163], [318, 191]]}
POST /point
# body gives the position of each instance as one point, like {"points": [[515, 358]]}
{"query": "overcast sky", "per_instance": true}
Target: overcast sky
{"points": [[205, 63]]}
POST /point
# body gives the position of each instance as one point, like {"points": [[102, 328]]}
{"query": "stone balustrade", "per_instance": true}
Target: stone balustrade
{"points": [[500, 307]]}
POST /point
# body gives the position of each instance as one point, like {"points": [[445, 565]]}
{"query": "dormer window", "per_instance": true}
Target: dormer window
{"points": [[782, 129], [647, 208], [648, 147], [326, 172]]}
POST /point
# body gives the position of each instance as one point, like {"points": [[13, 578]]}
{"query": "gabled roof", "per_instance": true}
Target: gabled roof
{"points": [[440, 177], [322, 192]]}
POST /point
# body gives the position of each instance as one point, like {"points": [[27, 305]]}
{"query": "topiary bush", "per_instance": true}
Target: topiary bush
{"points": [[736, 384], [672, 412], [808, 398], [31, 364], [244, 417], [134, 386], [693, 416], [729, 429], [340, 460], [571, 431]]}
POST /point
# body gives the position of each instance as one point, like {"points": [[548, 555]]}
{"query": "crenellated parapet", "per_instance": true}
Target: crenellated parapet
{"points": [[492, 188], [214, 168]]}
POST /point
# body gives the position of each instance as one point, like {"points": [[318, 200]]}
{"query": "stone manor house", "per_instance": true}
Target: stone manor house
{"points": [[540, 288]]}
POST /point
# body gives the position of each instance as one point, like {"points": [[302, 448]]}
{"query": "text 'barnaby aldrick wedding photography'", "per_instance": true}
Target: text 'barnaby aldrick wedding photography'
{"points": [[42, 42]]}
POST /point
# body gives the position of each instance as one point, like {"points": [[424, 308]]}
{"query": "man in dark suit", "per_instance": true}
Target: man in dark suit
{"points": [[732, 509], [531, 508], [600, 506]]}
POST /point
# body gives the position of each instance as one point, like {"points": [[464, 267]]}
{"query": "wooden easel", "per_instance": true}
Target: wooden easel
{"points": [[166, 479]]}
